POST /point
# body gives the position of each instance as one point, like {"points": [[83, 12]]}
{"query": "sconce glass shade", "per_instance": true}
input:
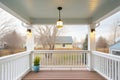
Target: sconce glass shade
{"points": [[59, 24]]}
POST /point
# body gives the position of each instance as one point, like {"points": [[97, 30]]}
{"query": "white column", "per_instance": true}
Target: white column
{"points": [[30, 45], [91, 45], [91, 38], [30, 40]]}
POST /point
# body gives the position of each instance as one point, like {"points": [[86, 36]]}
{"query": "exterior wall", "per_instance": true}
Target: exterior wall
{"points": [[1, 46], [110, 51], [58, 46], [61, 46]]}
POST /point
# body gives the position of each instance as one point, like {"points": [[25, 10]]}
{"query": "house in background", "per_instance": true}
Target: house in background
{"points": [[64, 42], [3, 45], [115, 48]]}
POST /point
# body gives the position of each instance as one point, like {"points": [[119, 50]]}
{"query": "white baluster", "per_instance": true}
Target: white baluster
{"points": [[118, 70]]}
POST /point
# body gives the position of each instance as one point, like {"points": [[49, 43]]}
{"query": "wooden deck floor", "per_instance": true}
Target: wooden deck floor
{"points": [[63, 75]]}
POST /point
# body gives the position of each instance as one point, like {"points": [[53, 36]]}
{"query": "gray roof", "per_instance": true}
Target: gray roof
{"points": [[117, 39], [64, 39], [116, 45]]}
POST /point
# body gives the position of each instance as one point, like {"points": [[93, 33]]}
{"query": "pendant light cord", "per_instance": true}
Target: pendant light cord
{"points": [[59, 15], [59, 8]]}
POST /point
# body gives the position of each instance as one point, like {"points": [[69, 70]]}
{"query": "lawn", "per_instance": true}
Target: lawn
{"points": [[5, 52]]}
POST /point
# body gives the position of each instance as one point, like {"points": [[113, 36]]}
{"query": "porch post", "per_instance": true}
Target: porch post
{"points": [[30, 45], [30, 40], [91, 45]]}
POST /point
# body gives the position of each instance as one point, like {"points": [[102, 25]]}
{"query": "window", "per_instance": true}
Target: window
{"points": [[63, 45]]}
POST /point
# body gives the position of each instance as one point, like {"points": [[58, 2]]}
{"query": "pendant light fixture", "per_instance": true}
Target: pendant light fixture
{"points": [[59, 22]]}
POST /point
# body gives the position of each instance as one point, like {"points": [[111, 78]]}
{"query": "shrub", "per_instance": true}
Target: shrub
{"points": [[36, 61]]}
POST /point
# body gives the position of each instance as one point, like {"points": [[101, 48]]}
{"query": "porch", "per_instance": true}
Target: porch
{"points": [[61, 64]]}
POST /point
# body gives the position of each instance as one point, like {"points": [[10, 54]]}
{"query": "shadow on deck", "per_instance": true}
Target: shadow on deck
{"points": [[63, 75]]}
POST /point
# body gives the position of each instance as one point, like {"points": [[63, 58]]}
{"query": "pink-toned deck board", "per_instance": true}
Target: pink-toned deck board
{"points": [[63, 75]]}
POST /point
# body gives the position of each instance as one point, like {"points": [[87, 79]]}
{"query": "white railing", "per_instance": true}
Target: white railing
{"points": [[107, 65], [13, 67], [62, 58]]}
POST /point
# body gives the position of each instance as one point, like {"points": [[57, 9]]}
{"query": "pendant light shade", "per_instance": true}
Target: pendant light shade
{"points": [[59, 22]]}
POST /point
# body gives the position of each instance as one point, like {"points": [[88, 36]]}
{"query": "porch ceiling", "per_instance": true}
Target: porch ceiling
{"points": [[45, 11]]}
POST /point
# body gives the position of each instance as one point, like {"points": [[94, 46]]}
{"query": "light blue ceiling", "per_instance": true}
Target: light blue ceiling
{"points": [[74, 11]]}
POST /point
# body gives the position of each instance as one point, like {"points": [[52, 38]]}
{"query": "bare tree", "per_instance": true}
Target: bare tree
{"points": [[101, 44], [14, 40], [6, 24], [46, 35], [5, 28], [115, 32]]}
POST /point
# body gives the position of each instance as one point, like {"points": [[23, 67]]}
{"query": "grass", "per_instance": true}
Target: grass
{"points": [[105, 50], [5, 52]]}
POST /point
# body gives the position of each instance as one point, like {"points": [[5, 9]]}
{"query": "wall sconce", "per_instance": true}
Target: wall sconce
{"points": [[29, 30], [92, 30]]}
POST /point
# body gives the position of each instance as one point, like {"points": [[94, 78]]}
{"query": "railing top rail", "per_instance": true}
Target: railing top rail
{"points": [[109, 56], [63, 50], [60, 51], [14, 56]]}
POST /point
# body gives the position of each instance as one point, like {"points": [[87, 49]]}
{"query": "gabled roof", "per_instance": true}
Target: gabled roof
{"points": [[64, 39], [118, 39], [116, 45]]}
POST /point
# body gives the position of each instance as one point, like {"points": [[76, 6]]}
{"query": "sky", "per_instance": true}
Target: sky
{"points": [[106, 25]]}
